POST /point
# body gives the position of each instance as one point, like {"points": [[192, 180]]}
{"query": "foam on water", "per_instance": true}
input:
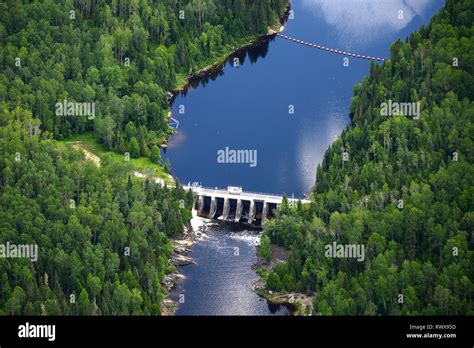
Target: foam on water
{"points": [[250, 237]]}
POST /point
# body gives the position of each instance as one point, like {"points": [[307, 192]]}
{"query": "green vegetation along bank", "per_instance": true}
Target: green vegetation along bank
{"points": [[400, 185], [96, 74]]}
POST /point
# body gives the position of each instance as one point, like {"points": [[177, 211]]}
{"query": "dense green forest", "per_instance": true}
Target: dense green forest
{"points": [[102, 234], [406, 191], [122, 55]]}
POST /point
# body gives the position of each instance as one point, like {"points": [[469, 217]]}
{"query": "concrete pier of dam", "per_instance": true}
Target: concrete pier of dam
{"points": [[234, 204]]}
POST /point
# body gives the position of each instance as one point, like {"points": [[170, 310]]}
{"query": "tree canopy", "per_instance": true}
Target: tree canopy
{"points": [[102, 234], [406, 192]]}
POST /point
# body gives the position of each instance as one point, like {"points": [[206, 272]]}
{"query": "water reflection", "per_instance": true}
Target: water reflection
{"points": [[364, 21], [254, 53], [248, 108]]}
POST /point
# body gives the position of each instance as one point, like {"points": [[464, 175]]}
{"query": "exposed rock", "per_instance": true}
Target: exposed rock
{"points": [[181, 260], [171, 279], [181, 246]]}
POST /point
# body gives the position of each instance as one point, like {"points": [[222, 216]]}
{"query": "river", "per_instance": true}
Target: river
{"points": [[286, 103]]}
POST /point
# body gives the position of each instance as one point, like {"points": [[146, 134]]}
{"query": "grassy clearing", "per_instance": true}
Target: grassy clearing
{"points": [[142, 164]]}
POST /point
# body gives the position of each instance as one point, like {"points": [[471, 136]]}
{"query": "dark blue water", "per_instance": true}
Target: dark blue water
{"points": [[220, 283], [247, 108]]}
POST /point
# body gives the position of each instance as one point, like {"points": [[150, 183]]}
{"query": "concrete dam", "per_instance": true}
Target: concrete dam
{"points": [[234, 204]]}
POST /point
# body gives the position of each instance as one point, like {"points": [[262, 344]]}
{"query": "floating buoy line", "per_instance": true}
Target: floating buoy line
{"points": [[319, 47]]}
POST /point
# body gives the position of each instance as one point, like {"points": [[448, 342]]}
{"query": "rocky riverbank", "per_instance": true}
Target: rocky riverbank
{"points": [[297, 303], [197, 227], [182, 246]]}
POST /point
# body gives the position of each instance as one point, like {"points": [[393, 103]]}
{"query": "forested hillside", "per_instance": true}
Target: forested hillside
{"points": [[406, 191], [101, 237], [102, 234], [123, 55]]}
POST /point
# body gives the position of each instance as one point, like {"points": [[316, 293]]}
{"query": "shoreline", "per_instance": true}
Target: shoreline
{"points": [[202, 73], [193, 232], [182, 245], [196, 230], [219, 64], [298, 304]]}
